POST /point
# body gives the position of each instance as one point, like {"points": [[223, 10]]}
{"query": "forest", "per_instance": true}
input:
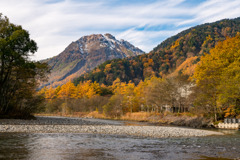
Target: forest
{"points": [[152, 95], [212, 91]]}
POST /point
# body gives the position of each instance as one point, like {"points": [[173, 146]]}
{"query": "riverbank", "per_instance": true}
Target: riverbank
{"points": [[166, 119], [80, 125]]}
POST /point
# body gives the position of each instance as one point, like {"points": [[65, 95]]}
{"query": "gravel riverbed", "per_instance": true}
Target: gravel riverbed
{"points": [[95, 126]]}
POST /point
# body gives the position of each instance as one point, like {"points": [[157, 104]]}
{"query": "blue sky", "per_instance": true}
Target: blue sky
{"points": [[54, 24]]}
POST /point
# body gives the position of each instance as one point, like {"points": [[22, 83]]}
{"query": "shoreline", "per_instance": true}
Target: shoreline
{"points": [[95, 126], [138, 131], [175, 120]]}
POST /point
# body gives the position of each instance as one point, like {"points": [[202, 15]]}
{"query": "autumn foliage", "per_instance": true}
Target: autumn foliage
{"points": [[152, 95], [218, 78], [213, 90]]}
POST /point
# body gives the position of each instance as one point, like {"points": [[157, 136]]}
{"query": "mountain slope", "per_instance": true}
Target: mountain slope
{"points": [[167, 58], [85, 54]]}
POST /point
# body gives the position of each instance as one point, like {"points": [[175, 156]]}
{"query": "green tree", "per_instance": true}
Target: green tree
{"points": [[19, 76]]}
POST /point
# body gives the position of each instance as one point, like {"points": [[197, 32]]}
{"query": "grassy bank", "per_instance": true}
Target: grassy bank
{"points": [[167, 118]]}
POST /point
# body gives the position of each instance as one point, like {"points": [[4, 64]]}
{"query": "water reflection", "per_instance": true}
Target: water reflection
{"points": [[94, 147], [13, 146]]}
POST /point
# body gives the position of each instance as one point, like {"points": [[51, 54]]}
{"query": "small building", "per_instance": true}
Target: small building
{"points": [[230, 124]]}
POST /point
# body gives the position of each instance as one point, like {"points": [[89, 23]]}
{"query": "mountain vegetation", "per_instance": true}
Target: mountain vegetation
{"points": [[212, 91], [19, 76], [177, 54]]}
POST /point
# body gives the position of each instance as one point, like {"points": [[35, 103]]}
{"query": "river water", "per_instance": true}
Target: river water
{"points": [[69, 146]]}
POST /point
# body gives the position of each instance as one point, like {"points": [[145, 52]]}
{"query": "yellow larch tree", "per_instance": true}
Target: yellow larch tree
{"points": [[67, 91]]}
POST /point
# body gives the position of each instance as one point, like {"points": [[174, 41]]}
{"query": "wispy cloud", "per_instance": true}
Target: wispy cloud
{"points": [[213, 10], [53, 24]]}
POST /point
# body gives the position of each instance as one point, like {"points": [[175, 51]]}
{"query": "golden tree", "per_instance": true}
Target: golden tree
{"points": [[217, 76]]}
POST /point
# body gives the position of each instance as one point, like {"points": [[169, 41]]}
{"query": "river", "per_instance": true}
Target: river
{"points": [[70, 146]]}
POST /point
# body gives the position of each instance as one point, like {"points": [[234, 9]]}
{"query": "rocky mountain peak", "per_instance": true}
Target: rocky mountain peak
{"points": [[109, 36], [87, 53]]}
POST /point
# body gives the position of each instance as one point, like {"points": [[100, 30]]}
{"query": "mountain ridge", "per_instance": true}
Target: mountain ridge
{"points": [[168, 56]]}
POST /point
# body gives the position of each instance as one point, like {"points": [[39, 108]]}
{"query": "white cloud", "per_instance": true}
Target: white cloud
{"points": [[145, 39], [53, 25], [213, 10]]}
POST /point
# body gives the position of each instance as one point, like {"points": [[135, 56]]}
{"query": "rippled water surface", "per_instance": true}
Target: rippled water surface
{"points": [[90, 146]]}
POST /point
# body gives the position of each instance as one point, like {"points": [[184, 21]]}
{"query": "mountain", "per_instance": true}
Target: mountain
{"points": [[176, 55], [85, 54]]}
